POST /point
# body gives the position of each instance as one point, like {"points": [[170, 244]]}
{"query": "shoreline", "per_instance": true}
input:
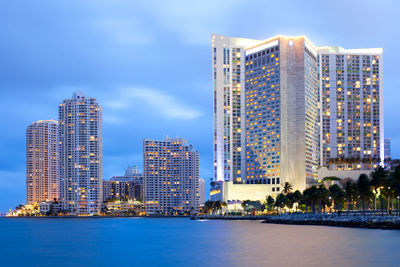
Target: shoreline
{"points": [[368, 222], [350, 221], [90, 217]]}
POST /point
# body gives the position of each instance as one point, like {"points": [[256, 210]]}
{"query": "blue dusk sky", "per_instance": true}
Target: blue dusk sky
{"points": [[148, 64]]}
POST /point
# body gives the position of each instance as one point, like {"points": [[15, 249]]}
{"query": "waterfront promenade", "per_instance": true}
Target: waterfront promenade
{"points": [[371, 221]]}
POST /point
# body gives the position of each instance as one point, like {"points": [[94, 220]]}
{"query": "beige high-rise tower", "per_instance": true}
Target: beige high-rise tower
{"points": [[42, 172], [81, 154]]}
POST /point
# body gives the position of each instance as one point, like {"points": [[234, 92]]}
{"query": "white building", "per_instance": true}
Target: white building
{"points": [[351, 90], [171, 176], [265, 111], [81, 156], [228, 86], [42, 170]]}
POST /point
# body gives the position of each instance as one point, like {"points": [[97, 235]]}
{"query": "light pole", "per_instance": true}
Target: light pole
{"points": [[388, 209], [398, 206], [330, 202]]}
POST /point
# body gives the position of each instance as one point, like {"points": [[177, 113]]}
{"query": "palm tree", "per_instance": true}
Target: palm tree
{"points": [[208, 206], [323, 197], [270, 202], [217, 205], [280, 201], [364, 189], [349, 193], [298, 198], [287, 188], [223, 205], [393, 186], [378, 177], [338, 196]]}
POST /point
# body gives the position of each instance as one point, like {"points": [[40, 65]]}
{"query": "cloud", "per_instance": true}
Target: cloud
{"points": [[194, 21], [123, 31], [167, 105]]}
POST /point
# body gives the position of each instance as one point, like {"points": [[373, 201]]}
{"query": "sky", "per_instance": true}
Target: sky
{"points": [[148, 63]]}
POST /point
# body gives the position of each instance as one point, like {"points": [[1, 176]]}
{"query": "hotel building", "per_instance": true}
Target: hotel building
{"points": [[281, 113], [171, 176], [42, 172], [351, 90], [81, 157]]}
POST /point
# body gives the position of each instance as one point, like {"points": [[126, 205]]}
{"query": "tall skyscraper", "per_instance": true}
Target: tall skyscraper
{"points": [[228, 86], [42, 172], [81, 156], [351, 86], [387, 148], [281, 112], [202, 191], [171, 176]]}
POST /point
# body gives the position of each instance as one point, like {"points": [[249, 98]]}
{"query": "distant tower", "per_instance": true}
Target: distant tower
{"points": [[171, 176], [42, 173], [202, 191], [81, 156], [387, 148]]}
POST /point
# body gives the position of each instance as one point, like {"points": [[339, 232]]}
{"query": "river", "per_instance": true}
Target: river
{"points": [[182, 242]]}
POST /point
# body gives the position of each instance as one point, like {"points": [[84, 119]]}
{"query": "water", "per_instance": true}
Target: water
{"points": [[182, 242]]}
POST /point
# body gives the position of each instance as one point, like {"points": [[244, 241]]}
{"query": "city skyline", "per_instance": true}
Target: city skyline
{"points": [[129, 94]]}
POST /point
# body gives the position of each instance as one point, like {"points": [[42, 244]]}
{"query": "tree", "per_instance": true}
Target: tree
{"points": [[223, 205], [287, 188], [323, 197], [337, 195], [349, 193], [280, 201], [208, 206], [270, 202], [364, 190], [378, 177], [298, 198], [393, 186]]}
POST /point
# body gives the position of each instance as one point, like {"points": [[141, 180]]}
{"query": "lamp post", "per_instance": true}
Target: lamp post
{"points": [[388, 209], [398, 206], [330, 202]]}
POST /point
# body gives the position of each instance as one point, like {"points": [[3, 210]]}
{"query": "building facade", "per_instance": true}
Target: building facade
{"points": [[281, 113], [171, 176], [351, 90], [42, 169], [300, 108], [228, 88], [81, 156], [127, 187]]}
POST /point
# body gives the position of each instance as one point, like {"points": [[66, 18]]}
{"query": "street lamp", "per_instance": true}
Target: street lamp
{"points": [[398, 206], [388, 201]]}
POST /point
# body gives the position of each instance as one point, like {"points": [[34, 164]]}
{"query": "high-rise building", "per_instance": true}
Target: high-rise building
{"points": [[129, 186], [300, 107], [81, 156], [202, 191], [171, 176], [228, 86], [281, 113], [351, 87], [42, 172], [387, 148]]}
